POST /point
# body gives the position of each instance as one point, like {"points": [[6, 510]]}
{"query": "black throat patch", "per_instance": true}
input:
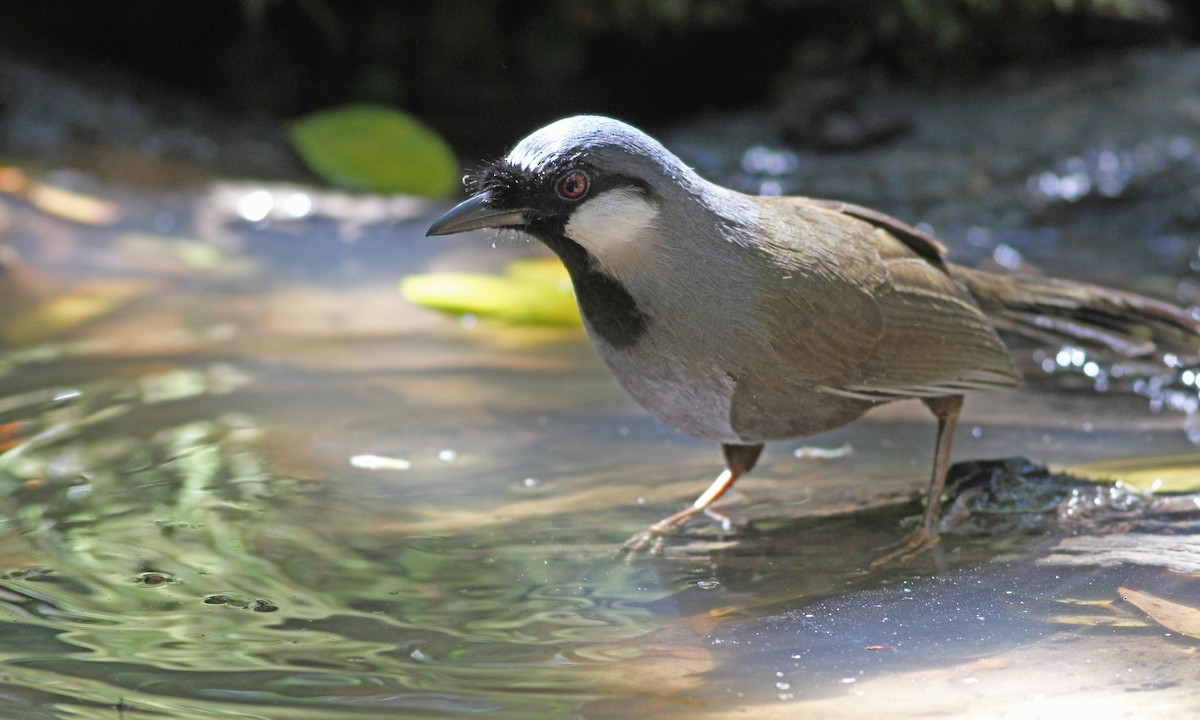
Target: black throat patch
{"points": [[609, 309]]}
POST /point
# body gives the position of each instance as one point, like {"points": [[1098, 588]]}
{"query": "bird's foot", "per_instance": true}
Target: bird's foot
{"points": [[651, 539], [922, 540], [647, 540]]}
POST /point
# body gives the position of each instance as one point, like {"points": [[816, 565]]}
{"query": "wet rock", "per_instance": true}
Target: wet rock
{"points": [[1178, 552], [823, 114], [1015, 495]]}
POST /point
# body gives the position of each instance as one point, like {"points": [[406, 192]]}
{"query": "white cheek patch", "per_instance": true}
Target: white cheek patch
{"points": [[617, 229]]}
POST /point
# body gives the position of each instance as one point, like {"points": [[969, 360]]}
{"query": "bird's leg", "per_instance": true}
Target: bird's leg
{"points": [[947, 410], [739, 460]]}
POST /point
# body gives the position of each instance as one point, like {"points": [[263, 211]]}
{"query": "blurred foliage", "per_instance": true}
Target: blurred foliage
{"points": [[376, 149], [515, 64], [922, 37], [63, 313]]}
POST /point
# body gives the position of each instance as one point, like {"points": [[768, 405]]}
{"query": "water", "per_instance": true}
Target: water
{"points": [[243, 479]]}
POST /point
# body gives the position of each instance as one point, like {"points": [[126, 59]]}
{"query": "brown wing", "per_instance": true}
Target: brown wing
{"points": [[878, 320], [921, 243]]}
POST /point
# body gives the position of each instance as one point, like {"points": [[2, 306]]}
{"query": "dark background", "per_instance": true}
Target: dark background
{"points": [[484, 72]]}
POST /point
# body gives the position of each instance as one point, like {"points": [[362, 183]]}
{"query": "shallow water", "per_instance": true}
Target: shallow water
{"points": [[192, 525]]}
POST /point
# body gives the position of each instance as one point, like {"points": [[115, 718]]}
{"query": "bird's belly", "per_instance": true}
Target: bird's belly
{"points": [[705, 400], [771, 406], [694, 398]]}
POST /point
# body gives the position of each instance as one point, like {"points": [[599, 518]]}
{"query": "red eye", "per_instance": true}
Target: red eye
{"points": [[573, 185]]}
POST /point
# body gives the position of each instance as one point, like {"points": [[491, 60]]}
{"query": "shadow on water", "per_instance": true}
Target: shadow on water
{"points": [[241, 478]]}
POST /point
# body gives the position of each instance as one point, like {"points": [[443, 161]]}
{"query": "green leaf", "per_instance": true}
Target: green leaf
{"points": [[376, 149]]}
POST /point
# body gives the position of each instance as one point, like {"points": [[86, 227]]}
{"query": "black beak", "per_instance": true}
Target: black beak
{"points": [[475, 213]]}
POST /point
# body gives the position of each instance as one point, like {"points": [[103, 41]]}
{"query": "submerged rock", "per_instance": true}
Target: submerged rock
{"points": [[1015, 495]]}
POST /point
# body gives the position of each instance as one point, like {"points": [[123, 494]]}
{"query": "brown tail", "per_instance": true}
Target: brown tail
{"points": [[1090, 316]]}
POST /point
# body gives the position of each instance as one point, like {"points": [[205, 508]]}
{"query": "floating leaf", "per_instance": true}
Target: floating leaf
{"points": [[70, 310], [819, 453], [531, 293], [379, 462], [376, 149], [1097, 621], [73, 206], [1183, 619], [66, 204], [1177, 474]]}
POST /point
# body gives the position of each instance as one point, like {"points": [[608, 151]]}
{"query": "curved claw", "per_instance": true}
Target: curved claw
{"points": [[644, 540], [921, 541], [652, 536]]}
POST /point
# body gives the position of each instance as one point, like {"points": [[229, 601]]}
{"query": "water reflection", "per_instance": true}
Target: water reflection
{"points": [[974, 635], [246, 480], [191, 569]]}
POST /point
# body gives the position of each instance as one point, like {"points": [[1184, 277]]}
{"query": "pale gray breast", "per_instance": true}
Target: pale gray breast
{"points": [[702, 300]]}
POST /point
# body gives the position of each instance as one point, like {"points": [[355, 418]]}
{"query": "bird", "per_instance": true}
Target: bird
{"points": [[742, 319]]}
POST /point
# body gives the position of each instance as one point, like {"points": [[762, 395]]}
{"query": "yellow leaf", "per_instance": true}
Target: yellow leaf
{"points": [[1182, 619], [70, 310], [1177, 474], [532, 292], [1097, 621], [73, 206], [51, 200]]}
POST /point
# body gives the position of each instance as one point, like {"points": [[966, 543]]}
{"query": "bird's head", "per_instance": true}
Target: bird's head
{"points": [[584, 183]]}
